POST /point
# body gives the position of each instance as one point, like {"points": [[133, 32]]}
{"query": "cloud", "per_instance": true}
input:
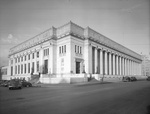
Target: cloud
{"points": [[10, 36], [10, 40]]}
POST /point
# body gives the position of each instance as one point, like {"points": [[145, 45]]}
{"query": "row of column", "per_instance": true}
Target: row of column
{"points": [[24, 67], [108, 63]]}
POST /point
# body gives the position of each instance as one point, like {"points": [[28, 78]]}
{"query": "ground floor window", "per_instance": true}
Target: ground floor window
{"points": [[21, 69], [37, 66], [15, 69], [28, 67], [24, 68], [18, 69]]}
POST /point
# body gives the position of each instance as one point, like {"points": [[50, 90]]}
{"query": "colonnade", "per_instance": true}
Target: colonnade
{"points": [[111, 63]]}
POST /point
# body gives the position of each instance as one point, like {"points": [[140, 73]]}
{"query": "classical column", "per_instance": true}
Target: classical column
{"points": [[117, 64], [41, 60], [106, 67], [134, 68], [114, 70], [101, 61], [127, 70], [13, 66], [35, 64], [125, 66], [96, 65], [129, 67], [120, 65], [110, 64]]}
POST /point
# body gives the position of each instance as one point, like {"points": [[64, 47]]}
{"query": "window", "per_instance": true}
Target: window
{"points": [[24, 68], [21, 69], [32, 55], [25, 58], [15, 69], [28, 67], [18, 69], [33, 65], [62, 49], [29, 57], [37, 66], [65, 48], [21, 58], [75, 48], [37, 54], [46, 52], [15, 60], [78, 49]]}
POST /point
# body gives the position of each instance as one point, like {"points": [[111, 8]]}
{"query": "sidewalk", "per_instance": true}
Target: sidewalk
{"points": [[92, 82]]}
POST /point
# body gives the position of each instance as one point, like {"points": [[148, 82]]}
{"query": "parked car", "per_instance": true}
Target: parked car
{"points": [[15, 84], [148, 78], [133, 78], [5, 83], [126, 79], [26, 84]]}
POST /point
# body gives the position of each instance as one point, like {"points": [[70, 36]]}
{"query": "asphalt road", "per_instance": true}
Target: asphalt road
{"points": [[110, 98]]}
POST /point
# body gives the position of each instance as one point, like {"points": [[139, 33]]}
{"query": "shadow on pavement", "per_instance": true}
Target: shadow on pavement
{"points": [[148, 109], [90, 84]]}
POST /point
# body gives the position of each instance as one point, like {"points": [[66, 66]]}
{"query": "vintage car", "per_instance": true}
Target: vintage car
{"points": [[15, 84], [148, 78], [26, 84], [126, 79], [132, 78]]}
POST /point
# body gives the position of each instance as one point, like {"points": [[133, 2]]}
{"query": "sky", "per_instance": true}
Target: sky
{"points": [[124, 21]]}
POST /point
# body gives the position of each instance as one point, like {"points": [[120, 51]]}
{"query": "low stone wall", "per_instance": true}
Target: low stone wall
{"points": [[73, 78], [5, 77], [26, 77], [138, 77]]}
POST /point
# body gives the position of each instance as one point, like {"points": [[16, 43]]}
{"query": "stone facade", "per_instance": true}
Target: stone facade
{"points": [[71, 50]]}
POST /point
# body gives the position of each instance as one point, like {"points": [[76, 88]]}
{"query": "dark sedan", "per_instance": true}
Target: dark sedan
{"points": [[126, 79], [133, 78], [26, 84], [148, 78]]}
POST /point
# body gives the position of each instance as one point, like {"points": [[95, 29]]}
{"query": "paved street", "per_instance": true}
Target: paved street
{"points": [[109, 98]]}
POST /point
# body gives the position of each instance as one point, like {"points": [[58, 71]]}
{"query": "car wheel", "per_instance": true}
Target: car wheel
{"points": [[9, 88]]}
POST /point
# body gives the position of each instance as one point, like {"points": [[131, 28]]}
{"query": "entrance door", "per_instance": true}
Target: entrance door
{"points": [[77, 67], [46, 66]]}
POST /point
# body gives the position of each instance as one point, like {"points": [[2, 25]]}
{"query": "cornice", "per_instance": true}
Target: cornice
{"points": [[74, 30]]}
